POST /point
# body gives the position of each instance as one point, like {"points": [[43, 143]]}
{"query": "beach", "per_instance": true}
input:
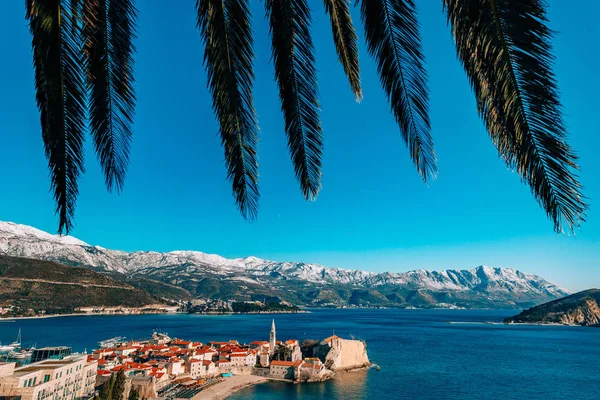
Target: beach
{"points": [[229, 386]]}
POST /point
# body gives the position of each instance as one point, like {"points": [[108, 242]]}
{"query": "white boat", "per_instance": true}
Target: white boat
{"points": [[17, 343], [19, 355], [4, 349], [112, 342]]}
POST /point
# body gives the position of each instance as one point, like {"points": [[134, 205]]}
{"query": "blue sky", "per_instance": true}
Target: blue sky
{"points": [[373, 212]]}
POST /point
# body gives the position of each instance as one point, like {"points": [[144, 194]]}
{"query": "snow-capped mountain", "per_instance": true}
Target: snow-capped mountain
{"points": [[210, 275]]}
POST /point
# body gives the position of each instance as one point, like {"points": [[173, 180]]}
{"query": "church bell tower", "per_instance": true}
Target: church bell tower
{"points": [[272, 338]]}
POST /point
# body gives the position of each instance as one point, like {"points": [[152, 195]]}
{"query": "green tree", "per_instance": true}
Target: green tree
{"points": [[282, 353], [133, 394], [107, 387], [119, 386], [83, 61]]}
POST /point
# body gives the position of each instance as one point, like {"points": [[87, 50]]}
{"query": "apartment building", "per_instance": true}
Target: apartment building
{"points": [[67, 379]]}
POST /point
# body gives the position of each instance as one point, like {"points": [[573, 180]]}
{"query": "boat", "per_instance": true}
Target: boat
{"points": [[112, 342], [17, 343], [5, 348], [19, 355], [160, 337]]}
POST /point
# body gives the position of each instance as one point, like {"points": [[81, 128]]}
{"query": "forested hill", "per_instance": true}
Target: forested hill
{"points": [[54, 288], [581, 308]]}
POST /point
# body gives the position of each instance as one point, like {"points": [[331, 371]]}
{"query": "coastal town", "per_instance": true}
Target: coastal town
{"points": [[162, 367]]}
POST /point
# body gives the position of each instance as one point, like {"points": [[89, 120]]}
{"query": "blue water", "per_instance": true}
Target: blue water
{"points": [[420, 354]]}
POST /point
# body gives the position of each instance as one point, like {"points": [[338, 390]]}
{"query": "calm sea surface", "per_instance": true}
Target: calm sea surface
{"points": [[421, 355]]}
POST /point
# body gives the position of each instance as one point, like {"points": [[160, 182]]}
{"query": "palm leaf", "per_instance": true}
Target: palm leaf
{"points": [[294, 60], [228, 55], [393, 39], [60, 95], [109, 31], [345, 40], [504, 46]]}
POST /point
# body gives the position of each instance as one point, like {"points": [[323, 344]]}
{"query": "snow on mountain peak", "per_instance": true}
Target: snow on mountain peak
{"points": [[24, 241], [25, 231]]}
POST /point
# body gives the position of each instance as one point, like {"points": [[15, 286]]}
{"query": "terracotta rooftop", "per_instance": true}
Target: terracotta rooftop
{"points": [[287, 363], [329, 339]]}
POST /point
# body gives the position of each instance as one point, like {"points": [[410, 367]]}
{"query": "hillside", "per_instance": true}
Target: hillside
{"points": [[54, 288], [581, 308], [183, 275]]}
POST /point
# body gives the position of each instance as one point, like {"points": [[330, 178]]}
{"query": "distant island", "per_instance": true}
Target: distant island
{"points": [[581, 308], [266, 306]]}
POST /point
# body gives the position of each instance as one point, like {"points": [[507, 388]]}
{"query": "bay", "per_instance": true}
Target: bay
{"points": [[421, 355]]}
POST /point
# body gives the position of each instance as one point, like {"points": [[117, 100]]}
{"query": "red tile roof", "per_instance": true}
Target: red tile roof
{"points": [[287, 363], [330, 338], [103, 372]]}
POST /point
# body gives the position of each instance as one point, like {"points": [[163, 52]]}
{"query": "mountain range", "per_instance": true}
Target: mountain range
{"points": [[185, 275]]}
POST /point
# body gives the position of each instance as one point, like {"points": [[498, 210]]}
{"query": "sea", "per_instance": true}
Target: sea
{"points": [[422, 354]]}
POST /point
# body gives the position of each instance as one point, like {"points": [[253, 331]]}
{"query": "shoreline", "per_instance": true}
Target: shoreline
{"points": [[511, 323], [229, 386], [13, 319], [84, 314]]}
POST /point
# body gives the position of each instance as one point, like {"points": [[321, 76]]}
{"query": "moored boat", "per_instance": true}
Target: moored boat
{"points": [[17, 343], [19, 355], [4, 349]]}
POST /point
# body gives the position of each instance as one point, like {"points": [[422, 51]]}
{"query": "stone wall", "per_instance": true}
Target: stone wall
{"points": [[345, 354]]}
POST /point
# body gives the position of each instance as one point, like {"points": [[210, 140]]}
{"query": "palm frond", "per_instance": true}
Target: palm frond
{"points": [[294, 60], [345, 40], [109, 32], [504, 46], [393, 39], [226, 31], [60, 95]]}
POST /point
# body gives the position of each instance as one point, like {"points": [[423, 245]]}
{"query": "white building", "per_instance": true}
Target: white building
{"points": [[264, 359], [243, 359], [285, 369], [204, 354], [203, 369], [125, 350], [175, 367], [65, 379]]}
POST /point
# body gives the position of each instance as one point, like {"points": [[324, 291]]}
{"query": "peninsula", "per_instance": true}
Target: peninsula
{"points": [[172, 368], [582, 308]]}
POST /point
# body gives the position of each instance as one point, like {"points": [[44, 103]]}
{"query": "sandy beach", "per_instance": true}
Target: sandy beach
{"points": [[230, 385]]}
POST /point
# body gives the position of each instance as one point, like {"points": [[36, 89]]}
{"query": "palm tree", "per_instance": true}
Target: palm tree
{"points": [[83, 60]]}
